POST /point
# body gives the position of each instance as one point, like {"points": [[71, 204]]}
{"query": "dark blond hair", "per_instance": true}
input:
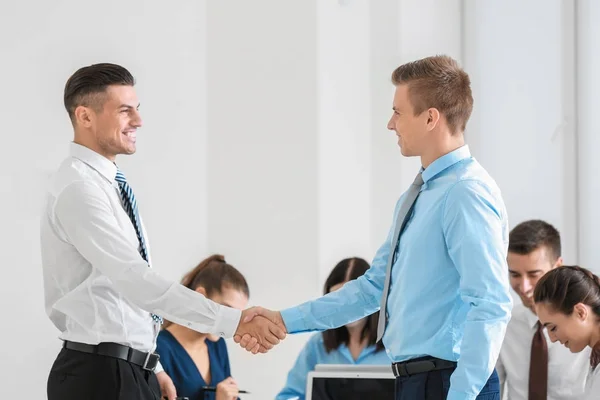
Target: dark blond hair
{"points": [[438, 82]]}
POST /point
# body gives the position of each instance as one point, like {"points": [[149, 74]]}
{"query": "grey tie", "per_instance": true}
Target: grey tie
{"points": [[409, 200]]}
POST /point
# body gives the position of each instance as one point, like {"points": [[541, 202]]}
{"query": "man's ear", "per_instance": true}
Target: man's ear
{"points": [[433, 117], [201, 290], [559, 262], [84, 116]]}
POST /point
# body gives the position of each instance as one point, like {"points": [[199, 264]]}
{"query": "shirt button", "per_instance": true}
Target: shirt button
{"points": [[221, 334], [189, 324], [387, 351], [387, 315]]}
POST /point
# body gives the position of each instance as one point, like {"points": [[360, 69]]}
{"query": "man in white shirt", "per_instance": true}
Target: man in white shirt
{"points": [[99, 290], [530, 366]]}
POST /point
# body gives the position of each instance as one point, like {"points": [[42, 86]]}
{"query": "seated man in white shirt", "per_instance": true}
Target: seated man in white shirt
{"points": [[530, 366]]}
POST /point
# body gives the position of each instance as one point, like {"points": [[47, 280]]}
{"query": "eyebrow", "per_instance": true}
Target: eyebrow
{"points": [[228, 305], [528, 272], [128, 106], [547, 323]]}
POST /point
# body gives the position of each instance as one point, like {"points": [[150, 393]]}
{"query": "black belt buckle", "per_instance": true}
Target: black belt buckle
{"points": [[151, 361]]}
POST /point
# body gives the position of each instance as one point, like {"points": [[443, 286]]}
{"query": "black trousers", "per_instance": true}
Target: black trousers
{"points": [[434, 385], [82, 376]]}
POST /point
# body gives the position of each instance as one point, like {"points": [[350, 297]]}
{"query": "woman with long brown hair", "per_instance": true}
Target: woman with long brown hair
{"points": [[567, 302], [195, 360], [355, 343]]}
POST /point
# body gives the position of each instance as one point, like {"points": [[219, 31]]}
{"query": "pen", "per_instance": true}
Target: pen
{"points": [[214, 389]]}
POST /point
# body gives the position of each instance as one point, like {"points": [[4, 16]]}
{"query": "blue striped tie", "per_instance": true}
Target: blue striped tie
{"points": [[130, 205]]}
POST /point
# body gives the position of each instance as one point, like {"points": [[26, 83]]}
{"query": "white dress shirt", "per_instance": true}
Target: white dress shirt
{"points": [[567, 371], [592, 387], [98, 288]]}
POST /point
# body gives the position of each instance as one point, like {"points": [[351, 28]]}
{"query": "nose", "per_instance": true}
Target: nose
{"points": [[526, 286], [136, 121], [552, 337], [390, 124]]}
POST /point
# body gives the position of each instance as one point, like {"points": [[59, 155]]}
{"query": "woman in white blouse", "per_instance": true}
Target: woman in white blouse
{"points": [[567, 301]]}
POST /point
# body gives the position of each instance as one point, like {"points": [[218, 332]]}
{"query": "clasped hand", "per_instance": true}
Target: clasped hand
{"points": [[260, 330]]}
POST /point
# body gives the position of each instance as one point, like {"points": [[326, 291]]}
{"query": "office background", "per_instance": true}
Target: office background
{"points": [[265, 136]]}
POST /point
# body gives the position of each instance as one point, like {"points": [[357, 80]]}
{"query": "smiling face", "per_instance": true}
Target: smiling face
{"points": [[526, 270], [111, 126], [410, 129], [574, 331]]}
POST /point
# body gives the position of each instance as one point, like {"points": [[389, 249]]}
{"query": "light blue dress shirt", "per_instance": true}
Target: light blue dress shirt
{"points": [[449, 295], [314, 353]]}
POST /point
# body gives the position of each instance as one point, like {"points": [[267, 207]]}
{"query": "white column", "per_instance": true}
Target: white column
{"points": [[401, 31], [262, 162], [588, 100], [343, 133], [519, 55]]}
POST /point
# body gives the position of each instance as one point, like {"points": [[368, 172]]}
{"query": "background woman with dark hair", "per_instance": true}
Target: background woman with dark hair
{"points": [[567, 301], [187, 356], [350, 344]]}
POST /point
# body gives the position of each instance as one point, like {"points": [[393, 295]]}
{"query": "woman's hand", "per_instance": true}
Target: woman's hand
{"points": [[227, 390], [167, 387]]}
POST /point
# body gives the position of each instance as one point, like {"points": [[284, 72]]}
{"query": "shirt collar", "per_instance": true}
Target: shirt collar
{"points": [[364, 353], [531, 318], [445, 161], [103, 165]]}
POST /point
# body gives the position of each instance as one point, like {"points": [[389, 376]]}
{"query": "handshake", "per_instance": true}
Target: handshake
{"points": [[260, 330]]}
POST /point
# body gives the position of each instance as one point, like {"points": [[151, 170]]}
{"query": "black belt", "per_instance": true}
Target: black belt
{"points": [[408, 368], [147, 361]]}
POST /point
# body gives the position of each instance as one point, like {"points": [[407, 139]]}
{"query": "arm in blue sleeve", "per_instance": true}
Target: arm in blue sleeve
{"points": [[357, 299], [295, 386], [475, 228]]}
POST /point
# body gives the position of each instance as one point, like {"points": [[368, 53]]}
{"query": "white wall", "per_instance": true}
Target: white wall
{"points": [[269, 119], [262, 163], [344, 163], [522, 129], [588, 133]]}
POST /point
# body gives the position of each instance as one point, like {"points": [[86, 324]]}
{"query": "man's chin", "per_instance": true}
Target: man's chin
{"points": [[528, 302]]}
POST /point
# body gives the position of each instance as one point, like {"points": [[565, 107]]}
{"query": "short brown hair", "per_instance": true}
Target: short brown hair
{"points": [[438, 82], [86, 86], [531, 235]]}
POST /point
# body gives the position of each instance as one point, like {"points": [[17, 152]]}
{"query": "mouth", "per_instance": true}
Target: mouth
{"points": [[566, 344], [527, 298], [130, 135]]}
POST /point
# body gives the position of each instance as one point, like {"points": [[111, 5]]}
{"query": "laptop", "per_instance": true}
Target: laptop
{"points": [[350, 382]]}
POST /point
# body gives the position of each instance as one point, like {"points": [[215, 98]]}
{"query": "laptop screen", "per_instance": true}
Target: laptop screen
{"points": [[352, 388]]}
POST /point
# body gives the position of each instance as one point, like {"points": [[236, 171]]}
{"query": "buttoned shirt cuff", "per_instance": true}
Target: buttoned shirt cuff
{"points": [[454, 395], [293, 319], [227, 322]]}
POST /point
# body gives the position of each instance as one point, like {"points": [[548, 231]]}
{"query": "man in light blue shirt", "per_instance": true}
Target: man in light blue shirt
{"points": [[448, 302]]}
